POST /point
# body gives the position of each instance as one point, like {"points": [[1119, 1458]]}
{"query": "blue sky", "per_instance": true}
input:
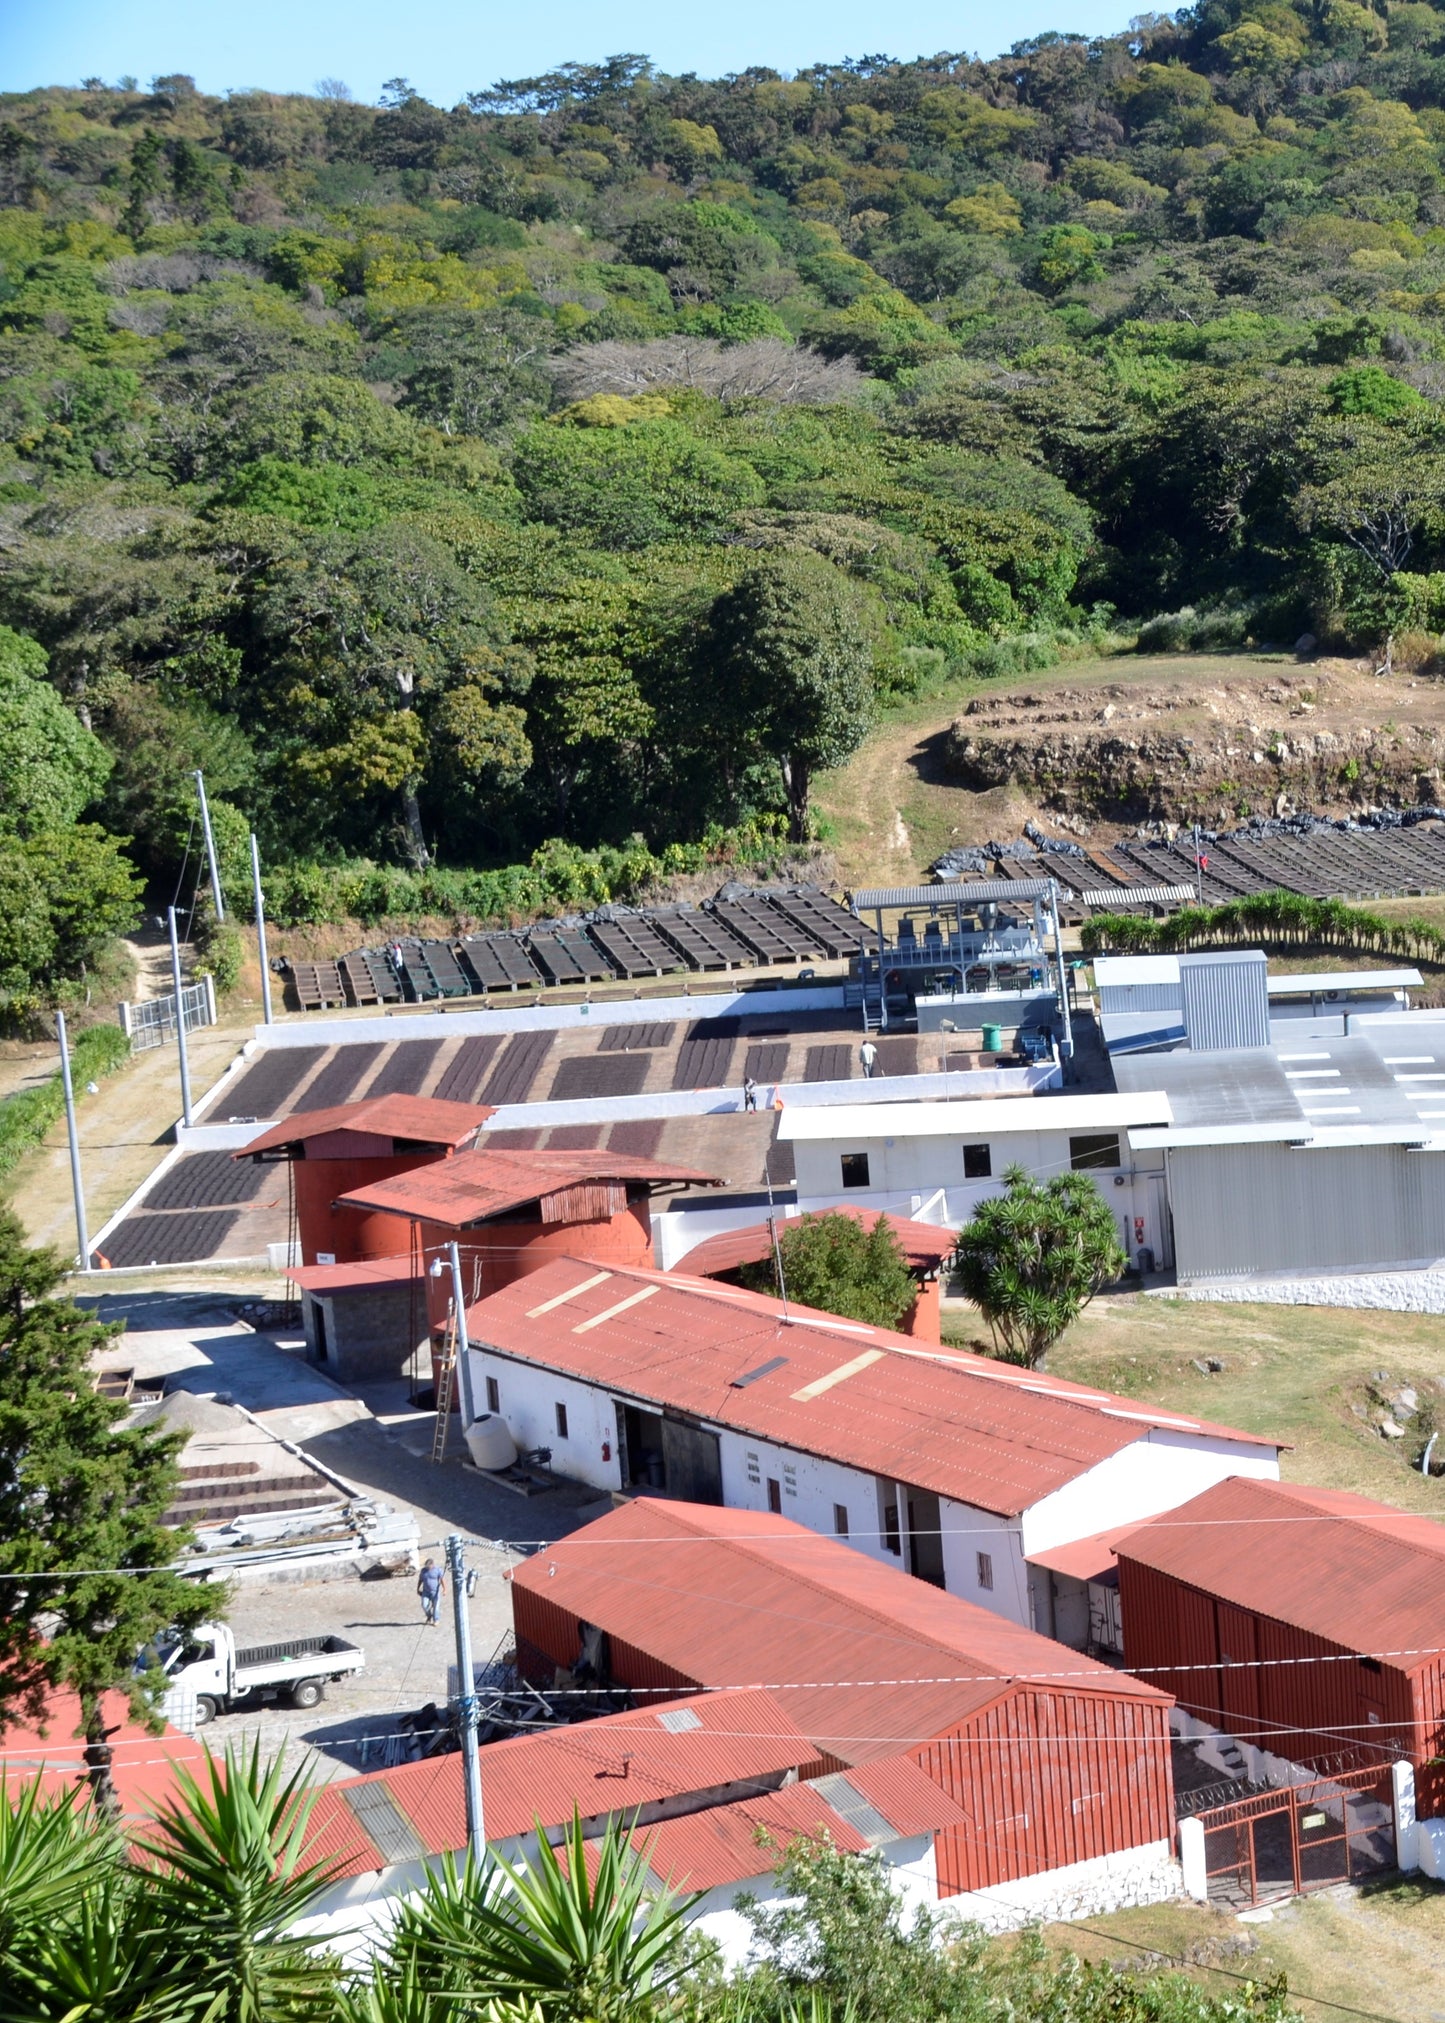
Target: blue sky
{"points": [[447, 48]]}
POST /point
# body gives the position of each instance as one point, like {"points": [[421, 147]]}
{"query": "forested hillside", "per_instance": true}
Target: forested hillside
{"points": [[587, 460]]}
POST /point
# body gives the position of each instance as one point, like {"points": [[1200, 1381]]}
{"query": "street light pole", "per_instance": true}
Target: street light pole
{"points": [[467, 1703], [210, 847], [81, 1232], [260, 927], [180, 1019]]}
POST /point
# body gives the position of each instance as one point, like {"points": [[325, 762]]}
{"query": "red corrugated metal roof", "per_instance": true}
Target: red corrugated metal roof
{"points": [[705, 1850], [964, 1426], [613, 1765], [143, 1766], [869, 1661], [1080, 1558], [906, 1796], [924, 1245], [423, 1119], [364, 1274], [477, 1185], [1339, 1566]]}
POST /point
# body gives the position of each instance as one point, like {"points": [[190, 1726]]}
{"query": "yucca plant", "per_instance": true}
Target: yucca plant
{"points": [[53, 1853], [585, 1948], [97, 1965], [228, 1880]]}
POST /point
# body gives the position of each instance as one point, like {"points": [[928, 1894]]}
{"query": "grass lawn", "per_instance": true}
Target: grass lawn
{"points": [[1308, 1375], [1377, 1952]]}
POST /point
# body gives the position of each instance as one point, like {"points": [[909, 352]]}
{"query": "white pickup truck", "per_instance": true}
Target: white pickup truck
{"points": [[206, 1664]]}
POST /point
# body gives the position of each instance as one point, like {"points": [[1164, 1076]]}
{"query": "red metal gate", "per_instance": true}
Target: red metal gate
{"points": [[1300, 1837]]}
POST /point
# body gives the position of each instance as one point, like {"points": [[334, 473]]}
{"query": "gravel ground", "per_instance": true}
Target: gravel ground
{"points": [[377, 1443]]}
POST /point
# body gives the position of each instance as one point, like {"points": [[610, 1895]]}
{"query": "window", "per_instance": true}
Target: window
{"points": [[561, 1411], [985, 1570], [977, 1163], [775, 1495], [840, 1519], [855, 1169], [1099, 1150], [494, 1395]]}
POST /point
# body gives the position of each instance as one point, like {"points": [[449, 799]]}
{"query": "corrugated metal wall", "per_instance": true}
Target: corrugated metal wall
{"points": [[1290, 1702], [1225, 999], [548, 1636], [1049, 1778], [1138, 997], [1243, 1210]]}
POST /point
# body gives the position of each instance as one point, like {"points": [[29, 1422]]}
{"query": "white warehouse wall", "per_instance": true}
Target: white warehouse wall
{"points": [[1158, 1471]]}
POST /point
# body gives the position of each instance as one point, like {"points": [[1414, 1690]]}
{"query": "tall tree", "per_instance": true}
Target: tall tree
{"points": [[833, 1263], [789, 648], [86, 1566]]}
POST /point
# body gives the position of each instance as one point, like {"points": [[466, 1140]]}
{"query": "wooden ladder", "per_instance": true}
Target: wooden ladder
{"points": [[444, 1371]]}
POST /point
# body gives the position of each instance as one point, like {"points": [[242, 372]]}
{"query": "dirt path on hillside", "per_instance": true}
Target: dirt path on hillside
{"points": [[893, 808]]}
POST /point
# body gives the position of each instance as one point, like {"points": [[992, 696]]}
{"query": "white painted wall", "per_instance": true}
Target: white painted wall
{"points": [[1158, 1471], [909, 1865], [527, 1400]]}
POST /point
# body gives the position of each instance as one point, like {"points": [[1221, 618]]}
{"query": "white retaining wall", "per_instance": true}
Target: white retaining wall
{"points": [[1085, 1889], [1416, 1291]]}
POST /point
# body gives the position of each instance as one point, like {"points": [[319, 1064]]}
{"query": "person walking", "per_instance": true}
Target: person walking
{"points": [[750, 1094], [868, 1054], [431, 1583]]}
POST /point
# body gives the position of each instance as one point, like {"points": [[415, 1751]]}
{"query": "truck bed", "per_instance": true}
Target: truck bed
{"points": [[299, 1657]]}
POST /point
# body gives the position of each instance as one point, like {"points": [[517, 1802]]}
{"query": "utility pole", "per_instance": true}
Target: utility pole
{"points": [[464, 1365], [180, 1018], [260, 927], [81, 1232], [467, 1703], [210, 847]]}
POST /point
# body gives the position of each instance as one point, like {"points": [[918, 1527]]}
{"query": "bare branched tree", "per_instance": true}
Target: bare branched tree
{"points": [[765, 369]]}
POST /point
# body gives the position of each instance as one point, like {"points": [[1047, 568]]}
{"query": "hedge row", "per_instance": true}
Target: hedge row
{"points": [[560, 878], [1283, 919], [27, 1117]]}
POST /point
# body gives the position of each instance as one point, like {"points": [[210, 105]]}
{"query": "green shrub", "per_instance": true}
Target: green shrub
{"points": [[1282, 919], [27, 1117], [221, 950], [561, 877]]}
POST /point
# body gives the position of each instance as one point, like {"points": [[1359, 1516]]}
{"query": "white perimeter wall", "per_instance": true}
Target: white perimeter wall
{"points": [[1085, 1889]]}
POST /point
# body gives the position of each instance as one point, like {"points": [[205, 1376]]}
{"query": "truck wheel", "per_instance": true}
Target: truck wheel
{"points": [[205, 1710], [309, 1693]]}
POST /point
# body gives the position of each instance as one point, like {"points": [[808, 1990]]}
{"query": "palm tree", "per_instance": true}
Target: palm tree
{"points": [[227, 1879], [587, 1936]]}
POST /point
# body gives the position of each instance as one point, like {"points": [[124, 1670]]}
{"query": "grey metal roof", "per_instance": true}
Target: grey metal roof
{"points": [[1392, 1081], [977, 894], [1137, 895]]}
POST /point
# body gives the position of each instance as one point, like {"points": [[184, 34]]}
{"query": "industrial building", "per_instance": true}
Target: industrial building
{"points": [[1307, 1160], [1059, 1767], [935, 1162], [1142, 999], [712, 1790], [1304, 1624], [968, 1472]]}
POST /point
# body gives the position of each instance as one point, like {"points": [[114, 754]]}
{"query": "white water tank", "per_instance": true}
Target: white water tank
{"points": [[489, 1443]]}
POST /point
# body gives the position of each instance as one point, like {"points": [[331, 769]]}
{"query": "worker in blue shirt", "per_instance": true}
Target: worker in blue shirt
{"points": [[431, 1583]]}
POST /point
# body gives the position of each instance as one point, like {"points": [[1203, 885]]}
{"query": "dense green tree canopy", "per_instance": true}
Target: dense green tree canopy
{"points": [[1106, 328]]}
